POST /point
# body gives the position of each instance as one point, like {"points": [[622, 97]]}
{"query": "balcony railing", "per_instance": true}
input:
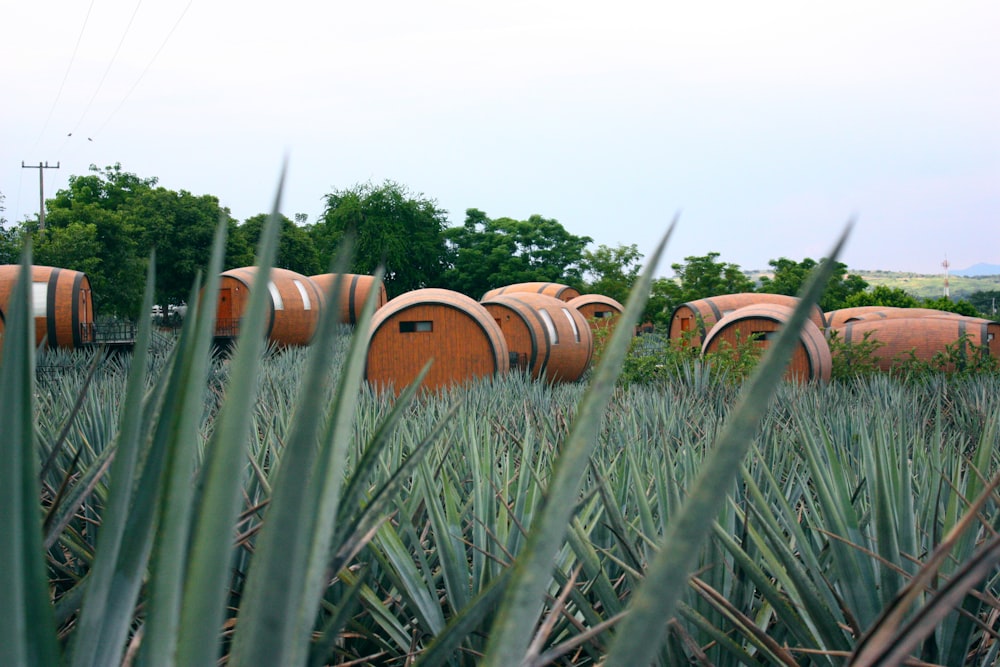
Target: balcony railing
{"points": [[227, 328], [117, 332]]}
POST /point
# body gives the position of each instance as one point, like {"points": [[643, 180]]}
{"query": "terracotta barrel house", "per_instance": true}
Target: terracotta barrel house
{"points": [[811, 359], [452, 329], [294, 305], [923, 337], [558, 290], [354, 290], [544, 335], [600, 311], [837, 318], [701, 315], [61, 303]]}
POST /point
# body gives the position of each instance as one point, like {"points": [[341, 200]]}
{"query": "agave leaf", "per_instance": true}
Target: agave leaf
{"points": [[522, 605], [667, 576], [944, 601], [177, 430], [62, 515], [356, 493], [472, 617], [206, 580], [27, 627], [338, 619], [440, 499], [890, 632], [288, 575], [107, 609]]}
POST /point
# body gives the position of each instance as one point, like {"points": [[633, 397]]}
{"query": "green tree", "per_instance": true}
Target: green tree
{"points": [[89, 228], [127, 216], [612, 271], [881, 295], [110, 188], [702, 277], [74, 246], [181, 227], [698, 277], [485, 253], [296, 250], [10, 238], [394, 228], [664, 296], [789, 277], [986, 302], [962, 307]]}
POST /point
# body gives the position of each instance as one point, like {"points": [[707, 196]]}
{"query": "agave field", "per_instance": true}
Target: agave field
{"points": [[175, 507]]}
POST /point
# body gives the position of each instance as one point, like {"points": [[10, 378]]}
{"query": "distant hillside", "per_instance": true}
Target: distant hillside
{"points": [[980, 269], [932, 286]]}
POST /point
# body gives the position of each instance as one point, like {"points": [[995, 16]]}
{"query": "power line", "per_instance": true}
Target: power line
{"points": [[145, 69], [62, 85], [104, 77]]}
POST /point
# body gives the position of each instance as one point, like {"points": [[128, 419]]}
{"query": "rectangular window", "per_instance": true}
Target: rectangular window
{"points": [[39, 299], [276, 299], [685, 324], [602, 314], [763, 335], [416, 326], [306, 302]]}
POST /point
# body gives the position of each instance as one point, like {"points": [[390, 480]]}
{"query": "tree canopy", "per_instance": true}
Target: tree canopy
{"points": [[881, 295], [985, 301], [10, 238], [484, 253], [612, 271], [296, 250], [789, 276], [393, 228], [106, 224]]}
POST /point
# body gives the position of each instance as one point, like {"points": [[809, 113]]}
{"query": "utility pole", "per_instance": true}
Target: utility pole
{"points": [[41, 188], [945, 264]]}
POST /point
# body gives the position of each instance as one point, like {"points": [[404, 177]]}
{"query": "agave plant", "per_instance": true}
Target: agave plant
{"points": [[270, 508]]}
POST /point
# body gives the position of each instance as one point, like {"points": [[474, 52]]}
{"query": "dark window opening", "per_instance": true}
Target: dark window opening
{"points": [[602, 314], [416, 326]]}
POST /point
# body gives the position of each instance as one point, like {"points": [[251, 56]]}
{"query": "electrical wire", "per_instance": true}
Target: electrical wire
{"points": [[72, 60], [143, 73], [104, 77]]}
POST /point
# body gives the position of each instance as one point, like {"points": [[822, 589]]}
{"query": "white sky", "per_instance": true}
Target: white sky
{"points": [[766, 125]]}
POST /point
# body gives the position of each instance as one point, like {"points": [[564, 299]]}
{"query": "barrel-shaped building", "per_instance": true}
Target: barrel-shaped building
{"points": [[922, 338], [295, 303], [695, 319], [600, 311], [453, 330], [544, 335], [353, 292], [558, 290], [811, 360], [837, 318], [61, 303]]}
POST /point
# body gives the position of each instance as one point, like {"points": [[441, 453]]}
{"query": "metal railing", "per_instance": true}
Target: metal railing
{"points": [[227, 328], [117, 332]]}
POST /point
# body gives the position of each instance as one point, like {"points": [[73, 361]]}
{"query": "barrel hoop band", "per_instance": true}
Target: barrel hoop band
{"points": [[50, 309], [75, 309], [352, 318]]}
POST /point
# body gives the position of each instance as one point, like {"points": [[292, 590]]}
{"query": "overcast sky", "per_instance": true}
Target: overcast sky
{"points": [[765, 125]]}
